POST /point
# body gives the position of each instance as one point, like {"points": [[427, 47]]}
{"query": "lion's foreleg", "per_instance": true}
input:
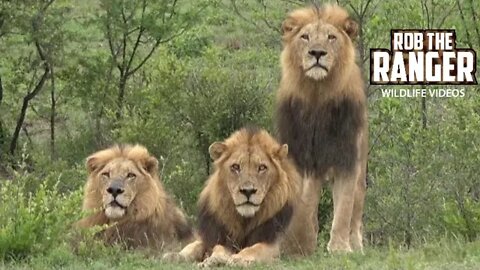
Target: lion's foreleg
{"points": [[311, 197], [192, 252], [260, 252], [343, 189], [303, 230], [96, 219], [220, 256]]}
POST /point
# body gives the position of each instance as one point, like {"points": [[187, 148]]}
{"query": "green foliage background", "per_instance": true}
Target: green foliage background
{"points": [[178, 75]]}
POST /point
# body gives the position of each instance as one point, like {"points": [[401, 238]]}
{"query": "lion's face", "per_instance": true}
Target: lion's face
{"points": [[248, 170], [117, 176], [251, 174], [318, 40], [120, 180], [318, 45]]}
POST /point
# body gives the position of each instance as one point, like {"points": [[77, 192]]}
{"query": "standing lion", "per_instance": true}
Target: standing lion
{"points": [[322, 115]]}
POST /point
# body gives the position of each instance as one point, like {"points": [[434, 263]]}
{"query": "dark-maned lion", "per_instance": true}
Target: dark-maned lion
{"points": [[123, 191], [322, 114], [250, 209]]}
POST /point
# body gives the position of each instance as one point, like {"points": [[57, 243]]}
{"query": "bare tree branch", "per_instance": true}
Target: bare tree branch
{"points": [[140, 33], [36, 20], [113, 52], [28, 98], [145, 59]]}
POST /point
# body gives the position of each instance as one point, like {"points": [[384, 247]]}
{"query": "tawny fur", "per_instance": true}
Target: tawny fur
{"points": [[151, 220], [340, 93], [298, 236]]}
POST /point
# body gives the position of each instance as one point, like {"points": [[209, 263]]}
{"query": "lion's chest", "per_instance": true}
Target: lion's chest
{"points": [[214, 231], [321, 136]]}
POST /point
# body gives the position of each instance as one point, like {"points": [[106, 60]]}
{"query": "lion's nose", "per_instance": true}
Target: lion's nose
{"points": [[317, 53], [115, 190], [248, 192]]}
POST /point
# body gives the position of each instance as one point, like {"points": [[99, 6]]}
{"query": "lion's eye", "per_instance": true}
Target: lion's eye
{"points": [[131, 175], [106, 174], [305, 37], [235, 167], [262, 168], [332, 37]]}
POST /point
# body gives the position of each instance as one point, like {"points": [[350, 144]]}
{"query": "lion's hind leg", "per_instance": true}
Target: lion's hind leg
{"points": [[356, 225]]}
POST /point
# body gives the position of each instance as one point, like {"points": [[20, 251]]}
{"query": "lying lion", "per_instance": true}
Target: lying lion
{"points": [[124, 192], [251, 207]]}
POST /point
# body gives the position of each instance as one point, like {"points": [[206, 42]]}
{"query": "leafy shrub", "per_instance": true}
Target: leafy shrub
{"points": [[34, 222], [462, 218]]}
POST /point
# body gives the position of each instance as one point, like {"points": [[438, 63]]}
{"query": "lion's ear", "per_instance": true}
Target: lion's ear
{"points": [[216, 150], [289, 26], [351, 28], [283, 151], [92, 164], [151, 165]]}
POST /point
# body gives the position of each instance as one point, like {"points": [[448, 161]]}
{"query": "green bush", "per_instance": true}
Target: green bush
{"points": [[34, 222], [462, 218]]}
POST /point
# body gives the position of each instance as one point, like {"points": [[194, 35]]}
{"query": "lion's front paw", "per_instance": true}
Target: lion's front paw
{"points": [[237, 260], [214, 261]]}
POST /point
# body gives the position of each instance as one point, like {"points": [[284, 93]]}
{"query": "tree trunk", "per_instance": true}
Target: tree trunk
{"points": [[2, 134], [18, 128], [1, 91], [23, 111], [52, 118], [424, 112], [121, 96]]}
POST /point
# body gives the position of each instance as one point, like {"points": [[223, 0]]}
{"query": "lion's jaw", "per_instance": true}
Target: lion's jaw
{"points": [[247, 210], [116, 208], [114, 212], [316, 73]]}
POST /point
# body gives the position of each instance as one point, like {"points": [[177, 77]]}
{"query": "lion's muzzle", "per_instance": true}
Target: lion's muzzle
{"points": [[116, 203]]}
